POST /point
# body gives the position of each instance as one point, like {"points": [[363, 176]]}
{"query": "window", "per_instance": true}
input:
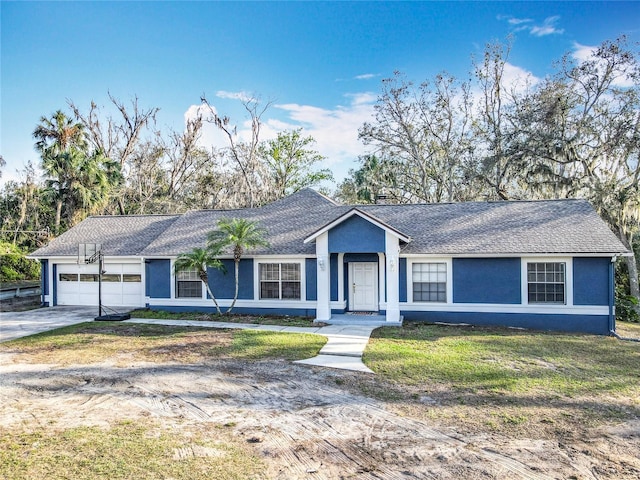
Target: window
{"points": [[546, 282], [188, 284], [280, 281], [88, 277], [429, 282], [68, 277], [131, 278], [111, 277]]}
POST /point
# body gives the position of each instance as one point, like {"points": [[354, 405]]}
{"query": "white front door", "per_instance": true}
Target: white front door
{"points": [[363, 292]]}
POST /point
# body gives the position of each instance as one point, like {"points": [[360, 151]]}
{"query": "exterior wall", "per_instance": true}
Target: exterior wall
{"points": [[402, 271], [356, 235], [486, 280], [596, 324], [222, 282], [44, 281], [493, 291], [311, 279], [54, 285], [591, 281], [223, 287], [158, 278], [333, 277], [254, 310]]}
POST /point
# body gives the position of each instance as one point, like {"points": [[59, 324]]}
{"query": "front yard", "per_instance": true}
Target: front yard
{"points": [[120, 401]]}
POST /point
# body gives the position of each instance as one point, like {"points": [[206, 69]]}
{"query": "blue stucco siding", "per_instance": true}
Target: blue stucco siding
{"points": [[311, 281], [486, 280], [223, 282], [158, 278], [402, 271], [356, 235], [54, 287], [596, 324], [44, 276], [591, 281], [333, 274]]}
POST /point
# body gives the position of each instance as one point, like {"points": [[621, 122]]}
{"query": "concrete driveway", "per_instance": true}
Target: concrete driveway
{"points": [[22, 324]]}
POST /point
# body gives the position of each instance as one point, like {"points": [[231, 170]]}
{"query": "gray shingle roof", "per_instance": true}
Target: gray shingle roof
{"points": [[472, 228], [288, 222], [120, 235]]}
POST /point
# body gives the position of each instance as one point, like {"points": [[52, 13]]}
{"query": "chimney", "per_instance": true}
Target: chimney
{"points": [[381, 199]]}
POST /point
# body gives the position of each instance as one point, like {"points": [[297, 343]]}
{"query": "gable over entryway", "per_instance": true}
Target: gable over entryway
{"points": [[370, 284]]}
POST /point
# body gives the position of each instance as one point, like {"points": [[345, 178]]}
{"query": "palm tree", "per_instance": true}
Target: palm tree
{"points": [[59, 134], [241, 234], [199, 259]]}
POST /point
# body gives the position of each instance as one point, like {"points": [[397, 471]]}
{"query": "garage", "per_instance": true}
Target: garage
{"points": [[78, 284]]}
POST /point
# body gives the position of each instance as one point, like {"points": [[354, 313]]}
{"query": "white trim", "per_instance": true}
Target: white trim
{"points": [[506, 308], [109, 259], [226, 302], [512, 255], [365, 216], [256, 277], [568, 280], [446, 260]]}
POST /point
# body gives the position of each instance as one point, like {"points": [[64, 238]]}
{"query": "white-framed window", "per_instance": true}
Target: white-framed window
{"points": [[429, 281], [546, 282], [188, 284], [280, 281]]}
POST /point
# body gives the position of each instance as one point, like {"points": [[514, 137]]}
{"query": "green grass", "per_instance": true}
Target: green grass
{"points": [[493, 361], [125, 342], [127, 450], [232, 317]]}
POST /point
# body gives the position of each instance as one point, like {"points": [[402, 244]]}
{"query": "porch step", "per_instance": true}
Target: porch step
{"points": [[361, 320]]}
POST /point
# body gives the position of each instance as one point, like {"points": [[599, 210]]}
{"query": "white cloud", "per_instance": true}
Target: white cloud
{"points": [[366, 76], [583, 53], [548, 27], [517, 79], [243, 96], [334, 129]]}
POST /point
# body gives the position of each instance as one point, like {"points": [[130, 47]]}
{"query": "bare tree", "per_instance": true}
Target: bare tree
{"points": [[117, 138], [583, 133], [244, 154], [425, 132]]}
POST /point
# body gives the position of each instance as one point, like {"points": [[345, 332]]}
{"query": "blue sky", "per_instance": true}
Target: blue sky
{"points": [[320, 63]]}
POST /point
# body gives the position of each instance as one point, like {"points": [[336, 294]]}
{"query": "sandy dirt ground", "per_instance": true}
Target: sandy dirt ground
{"points": [[305, 422]]}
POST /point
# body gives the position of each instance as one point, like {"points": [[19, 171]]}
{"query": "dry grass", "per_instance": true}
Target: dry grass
{"points": [[122, 343], [501, 380], [126, 450]]}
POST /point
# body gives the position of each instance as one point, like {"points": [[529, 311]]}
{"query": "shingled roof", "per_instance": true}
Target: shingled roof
{"points": [[487, 228], [119, 235], [470, 228], [287, 222]]}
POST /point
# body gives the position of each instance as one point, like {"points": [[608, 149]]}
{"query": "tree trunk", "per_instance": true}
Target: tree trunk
{"points": [[235, 297], [632, 267], [58, 215], [206, 285]]}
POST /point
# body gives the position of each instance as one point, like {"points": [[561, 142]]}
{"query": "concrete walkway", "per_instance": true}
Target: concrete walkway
{"points": [[22, 324], [343, 350]]}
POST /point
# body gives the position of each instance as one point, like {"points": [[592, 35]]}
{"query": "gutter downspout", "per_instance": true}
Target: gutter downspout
{"points": [[612, 296]]}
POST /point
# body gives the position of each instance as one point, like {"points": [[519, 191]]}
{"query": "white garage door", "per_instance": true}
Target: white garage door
{"points": [[78, 285]]}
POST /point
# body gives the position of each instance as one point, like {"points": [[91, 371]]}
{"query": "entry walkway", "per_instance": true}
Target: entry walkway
{"points": [[343, 350]]}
